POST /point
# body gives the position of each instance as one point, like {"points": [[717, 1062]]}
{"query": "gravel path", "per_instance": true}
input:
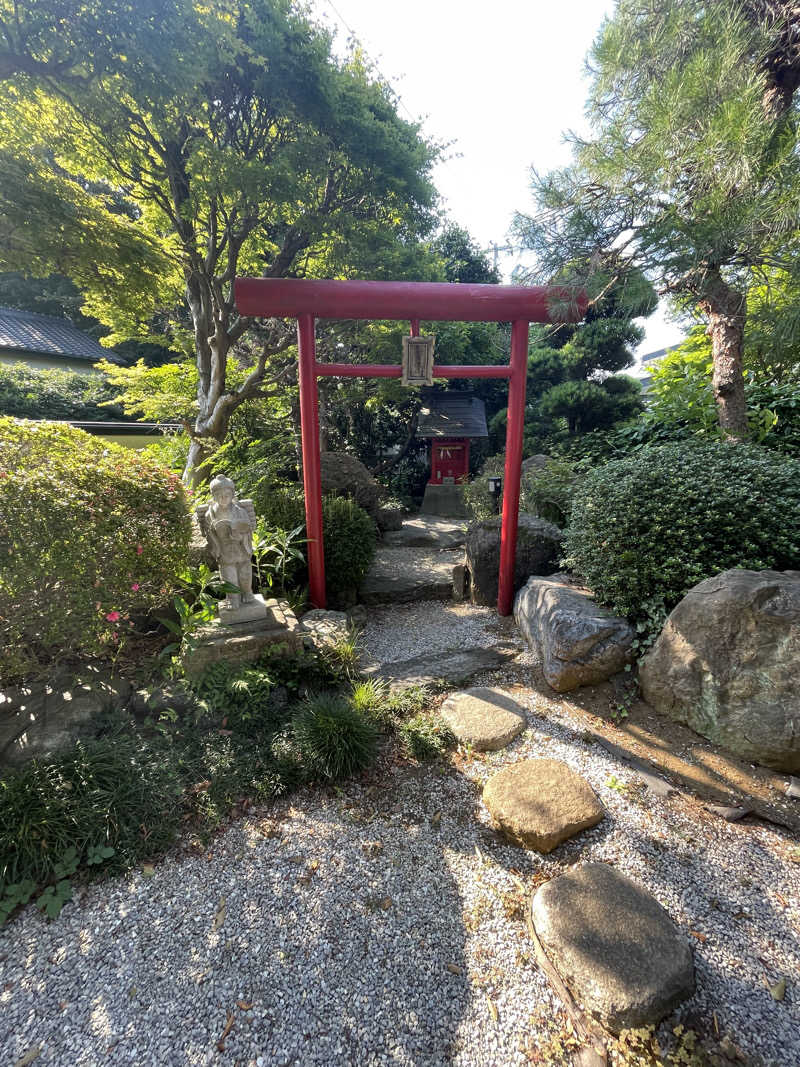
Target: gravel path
{"points": [[382, 924]]}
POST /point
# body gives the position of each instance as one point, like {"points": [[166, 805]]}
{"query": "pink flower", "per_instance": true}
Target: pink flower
{"points": [[113, 616], [135, 587], [139, 550]]}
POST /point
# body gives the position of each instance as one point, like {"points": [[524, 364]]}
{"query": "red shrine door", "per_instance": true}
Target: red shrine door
{"points": [[307, 300], [449, 461]]}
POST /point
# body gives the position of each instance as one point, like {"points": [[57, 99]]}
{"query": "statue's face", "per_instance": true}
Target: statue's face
{"points": [[224, 497]]}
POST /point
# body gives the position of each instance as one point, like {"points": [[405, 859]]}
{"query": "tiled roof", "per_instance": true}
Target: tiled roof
{"points": [[27, 331], [452, 414]]}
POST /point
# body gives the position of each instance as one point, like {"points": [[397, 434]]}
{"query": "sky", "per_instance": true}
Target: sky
{"points": [[498, 81]]}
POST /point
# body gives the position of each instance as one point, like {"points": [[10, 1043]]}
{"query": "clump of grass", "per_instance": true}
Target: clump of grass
{"points": [[334, 739], [425, 736], [118, 792]]}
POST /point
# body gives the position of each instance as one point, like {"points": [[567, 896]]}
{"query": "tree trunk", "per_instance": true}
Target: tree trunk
{"points": [[726, 308]]}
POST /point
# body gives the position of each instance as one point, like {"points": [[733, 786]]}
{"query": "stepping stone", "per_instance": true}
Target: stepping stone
{"points": [[400, 575], [613, 945], [486, 719], [538, 803], [455, 666], [427, 531]]}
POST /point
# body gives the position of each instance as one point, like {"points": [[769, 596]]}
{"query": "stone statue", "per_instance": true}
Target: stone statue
{"points": [[228, 525]]}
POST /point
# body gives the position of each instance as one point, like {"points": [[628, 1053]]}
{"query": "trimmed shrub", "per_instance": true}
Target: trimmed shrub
{"points": [[90, 533], [650, 527], [333, 739], [349, 537], [57, 394]]}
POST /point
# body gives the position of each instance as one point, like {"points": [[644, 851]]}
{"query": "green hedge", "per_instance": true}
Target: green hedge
{"points": [[90, 534], [653, 525], [56, 394]]}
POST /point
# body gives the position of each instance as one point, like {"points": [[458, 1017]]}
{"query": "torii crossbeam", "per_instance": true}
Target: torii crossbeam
{"points": [[307, 300]]}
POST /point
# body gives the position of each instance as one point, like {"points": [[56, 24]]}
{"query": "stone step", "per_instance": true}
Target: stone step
{"points": [[456, 666], [400, 575], [427, 531]]}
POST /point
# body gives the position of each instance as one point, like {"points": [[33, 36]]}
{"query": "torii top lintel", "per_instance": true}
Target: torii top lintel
{"points": [[432, 301]]}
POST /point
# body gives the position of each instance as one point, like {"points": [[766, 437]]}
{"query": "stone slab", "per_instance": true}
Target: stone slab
{"points": [[455, 666], [245, 641], [613, 945], [402, 575], [484, 718], [540, 803], [326, 627], [427, 531]]}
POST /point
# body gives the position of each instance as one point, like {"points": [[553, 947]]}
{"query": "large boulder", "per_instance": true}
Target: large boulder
{"points": [[534, 464], [538, 550], [344, 475], [613, 945], [727, 664], [580, 643]]}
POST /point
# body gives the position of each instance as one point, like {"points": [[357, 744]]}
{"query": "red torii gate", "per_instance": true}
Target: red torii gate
{"points": [[307, 300]]}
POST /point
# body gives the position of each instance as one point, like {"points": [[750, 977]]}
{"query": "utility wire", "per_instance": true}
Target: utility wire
{"points": [[357, 39]]}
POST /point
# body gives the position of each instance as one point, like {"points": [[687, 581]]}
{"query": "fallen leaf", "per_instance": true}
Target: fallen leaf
{"points": [[453, 968], [148, 870], [244, 1005], [436, 818], [386, 903], [314, 865], [782, 900], [225, 1032], [219, 917], [698, 935], [29, 1057], [778, 991], [492, 1008]]}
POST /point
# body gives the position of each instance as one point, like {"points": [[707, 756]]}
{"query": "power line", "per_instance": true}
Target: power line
{"points": [[358, 40]]}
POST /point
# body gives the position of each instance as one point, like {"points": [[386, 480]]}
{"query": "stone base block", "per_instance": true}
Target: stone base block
{"points": [[444, 500], [251, 612], [243, 642]]}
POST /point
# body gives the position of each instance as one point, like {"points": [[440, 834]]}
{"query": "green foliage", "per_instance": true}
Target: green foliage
{"points": [[333, 738], [349, 536], [546, 492], [691, 174], [425, 736], [55, 394], [61, 815], [277, 556], [681, 398], [649, 527], [237, 694], [90, 533]]}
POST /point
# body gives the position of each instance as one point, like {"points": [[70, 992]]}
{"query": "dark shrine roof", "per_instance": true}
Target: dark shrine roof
{"points": [[451, 414], [27, 331]]}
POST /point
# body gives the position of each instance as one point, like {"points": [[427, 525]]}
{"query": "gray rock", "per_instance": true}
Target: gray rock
{"points": [[326, 627], [43, 719], [389, 519], [534, 463], [486, 719], [154, 701], [446, 501], [613, 945], [344, 475], [727, 664], [538, 550], [539, 803], [580, 643]]}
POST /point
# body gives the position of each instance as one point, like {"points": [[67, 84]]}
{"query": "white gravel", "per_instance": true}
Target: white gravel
{"points": [[378, 924], [399, 632]]}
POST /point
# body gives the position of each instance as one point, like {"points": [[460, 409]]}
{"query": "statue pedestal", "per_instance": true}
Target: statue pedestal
{"points": [[239, 642], [253, 611]]}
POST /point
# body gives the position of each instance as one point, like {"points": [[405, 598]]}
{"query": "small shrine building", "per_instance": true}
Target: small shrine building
{"points": [[450, 420]]}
